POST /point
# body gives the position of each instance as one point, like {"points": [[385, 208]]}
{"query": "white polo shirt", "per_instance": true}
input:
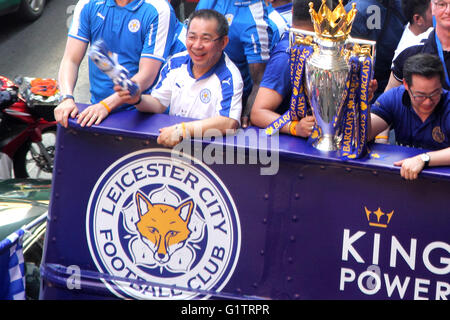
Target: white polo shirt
{"points": [[218, 92]]}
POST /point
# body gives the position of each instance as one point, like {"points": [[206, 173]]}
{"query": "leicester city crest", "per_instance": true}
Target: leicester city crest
{"points": [[167, 221], [134, 25], [205, 95]]}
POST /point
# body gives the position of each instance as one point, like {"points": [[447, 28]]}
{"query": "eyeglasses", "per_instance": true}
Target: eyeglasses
{"points": [[203, 40], [422, 97], [441, 5]]}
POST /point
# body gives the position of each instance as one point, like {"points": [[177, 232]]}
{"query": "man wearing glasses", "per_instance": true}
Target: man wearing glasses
{"points": [[202, 83], [419, 113]]}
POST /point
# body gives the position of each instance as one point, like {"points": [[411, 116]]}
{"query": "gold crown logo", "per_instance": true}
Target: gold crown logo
{"points": [[332, 25], [383, 223]]}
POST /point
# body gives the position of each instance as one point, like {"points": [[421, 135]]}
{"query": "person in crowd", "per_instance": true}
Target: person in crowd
{"points": [[437, 43], [419, 26], [140, 32], [381, 21], [200, 83], [279, 21], [179, 41], [252, 35], [274, 94], [284, 8], [419, 113]]}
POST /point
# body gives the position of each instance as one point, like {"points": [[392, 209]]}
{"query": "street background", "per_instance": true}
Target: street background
{"points": [[36, 49]]}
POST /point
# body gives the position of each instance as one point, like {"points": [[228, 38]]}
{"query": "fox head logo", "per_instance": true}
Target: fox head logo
{"points": [[163, 228]]}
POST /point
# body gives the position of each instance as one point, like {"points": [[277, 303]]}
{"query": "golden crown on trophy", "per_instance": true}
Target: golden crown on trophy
{"points": [[332, 25]]}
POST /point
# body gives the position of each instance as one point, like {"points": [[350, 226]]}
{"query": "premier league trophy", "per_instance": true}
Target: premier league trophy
{"points": [[330, 75]]}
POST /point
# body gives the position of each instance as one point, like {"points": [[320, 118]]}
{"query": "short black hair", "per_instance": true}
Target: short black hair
{"points": [[209, 14], [423, 64], [412, 7], [300, 9]]}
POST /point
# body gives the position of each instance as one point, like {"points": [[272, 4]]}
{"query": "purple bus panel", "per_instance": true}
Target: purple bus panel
{"points": [[238, 217]]}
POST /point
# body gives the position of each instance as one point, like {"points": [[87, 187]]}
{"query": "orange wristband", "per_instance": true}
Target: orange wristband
{"points": [[103, 103], [292, 126], [183, 125]]}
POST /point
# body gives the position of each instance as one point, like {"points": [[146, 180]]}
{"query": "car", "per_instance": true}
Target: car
{"points": [[28, 10], [24, 204]]}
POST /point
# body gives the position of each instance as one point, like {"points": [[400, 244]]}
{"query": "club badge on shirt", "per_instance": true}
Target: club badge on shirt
{"points": [[229, 18], [134, 25], [438, 135], [205, 96]]}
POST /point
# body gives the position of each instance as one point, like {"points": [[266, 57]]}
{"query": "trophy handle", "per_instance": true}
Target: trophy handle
{"points": [[293, 32], [372, 44]]}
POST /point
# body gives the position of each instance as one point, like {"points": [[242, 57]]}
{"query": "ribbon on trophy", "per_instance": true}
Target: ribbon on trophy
{"points": [[353, 125], [356, 112], [366, 76], [298, 105]]}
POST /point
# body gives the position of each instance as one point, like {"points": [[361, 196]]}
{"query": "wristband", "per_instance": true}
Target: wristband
{"points": [[183, 125], [103, 103], [292, 126], [139, 101], [177, 134], [66, 96], [382, 137]]}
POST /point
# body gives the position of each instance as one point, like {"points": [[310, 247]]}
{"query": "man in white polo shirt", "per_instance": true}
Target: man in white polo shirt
{"points": [[200, 83]]}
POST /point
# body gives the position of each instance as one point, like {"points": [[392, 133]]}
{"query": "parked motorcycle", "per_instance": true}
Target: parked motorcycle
{"points": [[27, 127]]}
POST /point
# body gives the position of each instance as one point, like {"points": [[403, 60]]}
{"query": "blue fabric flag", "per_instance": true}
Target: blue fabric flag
{"points": [[12, 267]]}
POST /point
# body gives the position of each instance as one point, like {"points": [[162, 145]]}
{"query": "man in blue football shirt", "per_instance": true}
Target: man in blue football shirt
{"points": [[419, 113], [252, 35], [275, 91], [284, 7], [141, 32]]}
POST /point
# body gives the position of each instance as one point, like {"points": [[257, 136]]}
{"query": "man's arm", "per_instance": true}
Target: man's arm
{"points": [[67, 78], [266, 102], [148, 72], [150, 104], [263, 113], [377, 125], [384, 135], [94, 114], [256, 72], [392, 83], [171, 136], [411, 167]]}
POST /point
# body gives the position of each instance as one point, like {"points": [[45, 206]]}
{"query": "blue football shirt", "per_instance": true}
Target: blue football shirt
{"points": [[141, 29]]}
